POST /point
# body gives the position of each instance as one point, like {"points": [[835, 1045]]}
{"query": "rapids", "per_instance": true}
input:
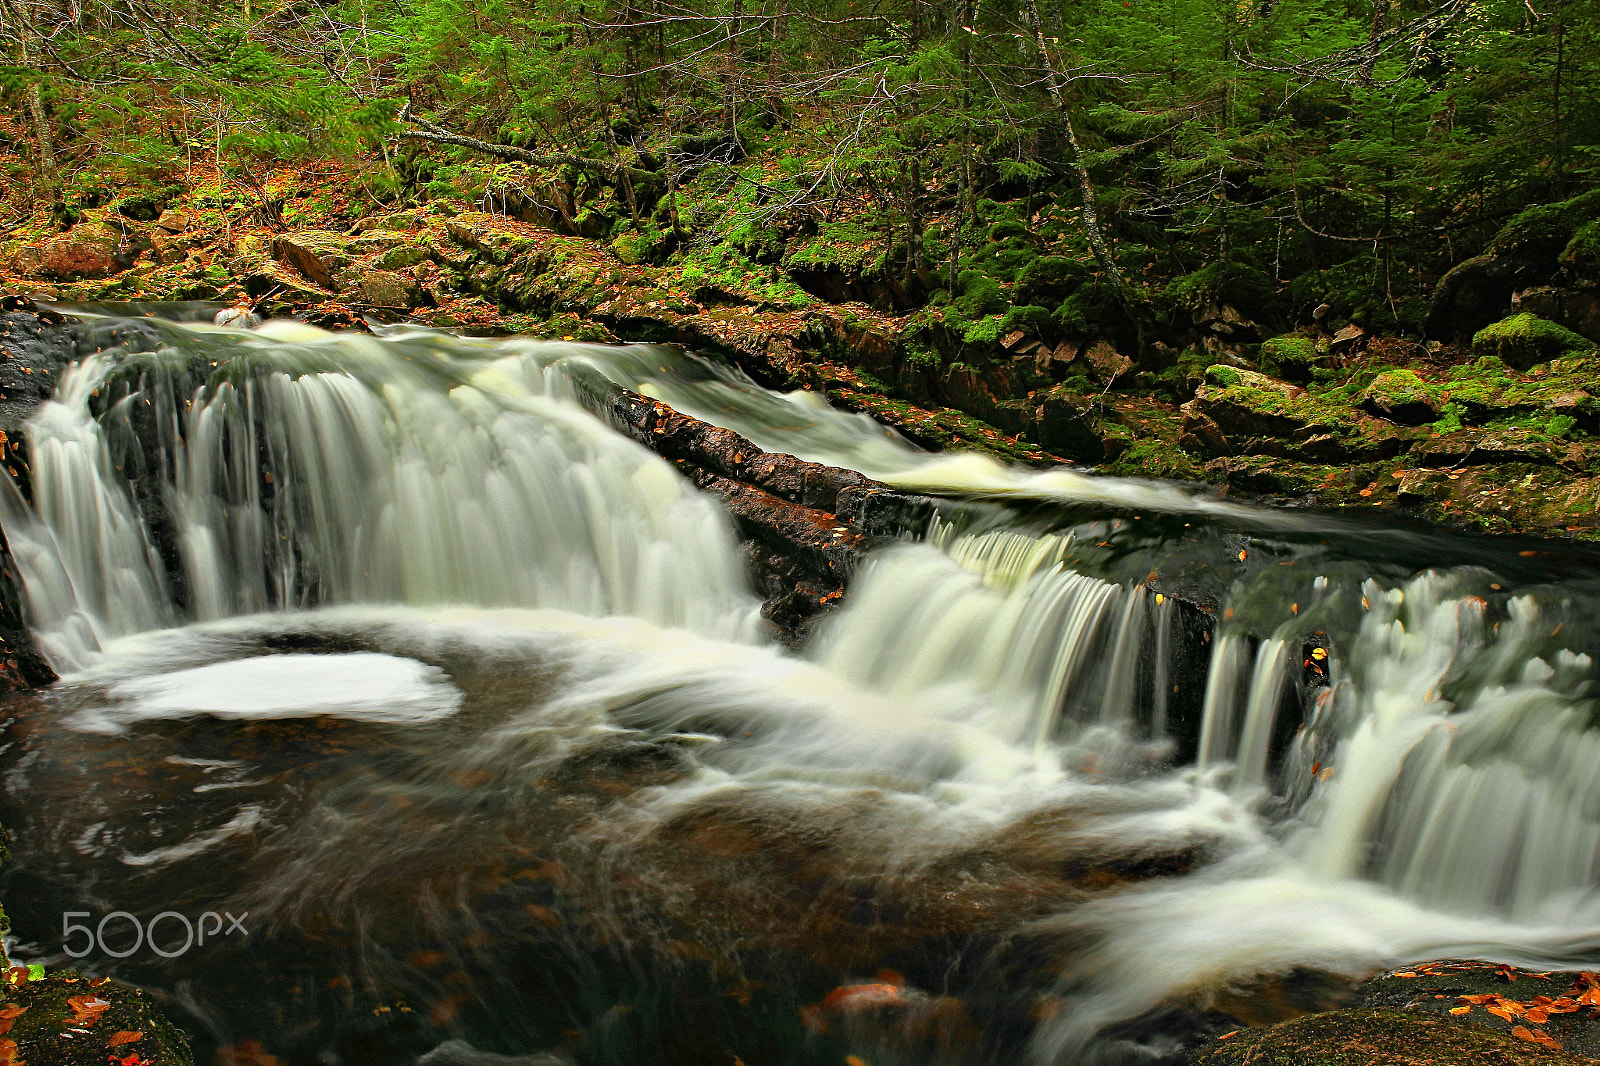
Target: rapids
{"points": [[391, 644]]}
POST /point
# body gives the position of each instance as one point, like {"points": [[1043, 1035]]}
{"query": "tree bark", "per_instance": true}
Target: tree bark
{"points": [[1091, 214], [44, 136]]}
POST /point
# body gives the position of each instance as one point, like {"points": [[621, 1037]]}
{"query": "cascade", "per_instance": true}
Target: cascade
{"points": [[525, 635]]}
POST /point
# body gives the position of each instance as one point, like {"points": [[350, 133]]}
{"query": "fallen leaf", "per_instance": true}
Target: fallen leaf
{"points": [[854, 999], [125, 1036], [86, 1010], [1523, 1033]]}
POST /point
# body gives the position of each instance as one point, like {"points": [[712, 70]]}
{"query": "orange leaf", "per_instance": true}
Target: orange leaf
{"points": [[1460, 1010], [86, 1010], [124, 1037], [1522, 1033]]}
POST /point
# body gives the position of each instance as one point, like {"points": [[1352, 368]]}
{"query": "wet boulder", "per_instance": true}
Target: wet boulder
{"points": [[1367, 1037], [66, 1019], [1554, 1009]]}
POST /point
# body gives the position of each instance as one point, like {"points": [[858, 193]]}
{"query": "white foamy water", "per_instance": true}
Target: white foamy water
{"points": [[365, 685]]}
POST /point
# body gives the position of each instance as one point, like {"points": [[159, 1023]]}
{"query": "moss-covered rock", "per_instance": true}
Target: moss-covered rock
{"points": [[1244, 403], [317, 254], [1525, 339], [389, 288], [89, 250], [1366, 1037], [1401, 396], [1292, 357], [1547, 1004], [66, 1019]]}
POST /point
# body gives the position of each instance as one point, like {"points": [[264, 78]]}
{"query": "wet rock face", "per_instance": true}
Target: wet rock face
{"points": [[803, 524], [65, 1019], [34, 349], [1366, 1037]]}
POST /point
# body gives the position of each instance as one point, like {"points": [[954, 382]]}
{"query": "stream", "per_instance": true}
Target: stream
{"points": [[459, 702]]}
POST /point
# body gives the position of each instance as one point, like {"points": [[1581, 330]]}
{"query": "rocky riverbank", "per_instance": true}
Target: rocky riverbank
{"points": [[1490, 425]]}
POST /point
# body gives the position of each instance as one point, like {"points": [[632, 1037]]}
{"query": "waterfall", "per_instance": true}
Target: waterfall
{"points": [[1035, 690], [423, 475]]}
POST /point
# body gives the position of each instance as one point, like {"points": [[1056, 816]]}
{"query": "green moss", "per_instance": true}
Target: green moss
{"points": [[1582, 254], [1376, 1038], [1155, 457], [1449, 419], [1545, 228], [1226, 376], [1230, 283], [1291, 357], [983, 331], [1399, 388], [1051, 277], [1525, 339]]}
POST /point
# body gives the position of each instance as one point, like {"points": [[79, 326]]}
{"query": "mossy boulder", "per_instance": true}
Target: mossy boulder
{"points": [[629, 248], [1541, 232], [1050, 278], [318, 255], [1546, 1003], [66, 1019], [1244, 403], [1526, 339], [1401, 396], [90, 250], [389, 288], [1366, 1037], [1292, 357]]}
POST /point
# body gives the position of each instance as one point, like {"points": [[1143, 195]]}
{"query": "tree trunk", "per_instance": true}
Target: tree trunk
{"points": [[1091, 214], [18, 13]]}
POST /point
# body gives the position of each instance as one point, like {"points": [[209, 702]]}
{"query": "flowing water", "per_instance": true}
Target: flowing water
{"points": [[460, 700]]}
